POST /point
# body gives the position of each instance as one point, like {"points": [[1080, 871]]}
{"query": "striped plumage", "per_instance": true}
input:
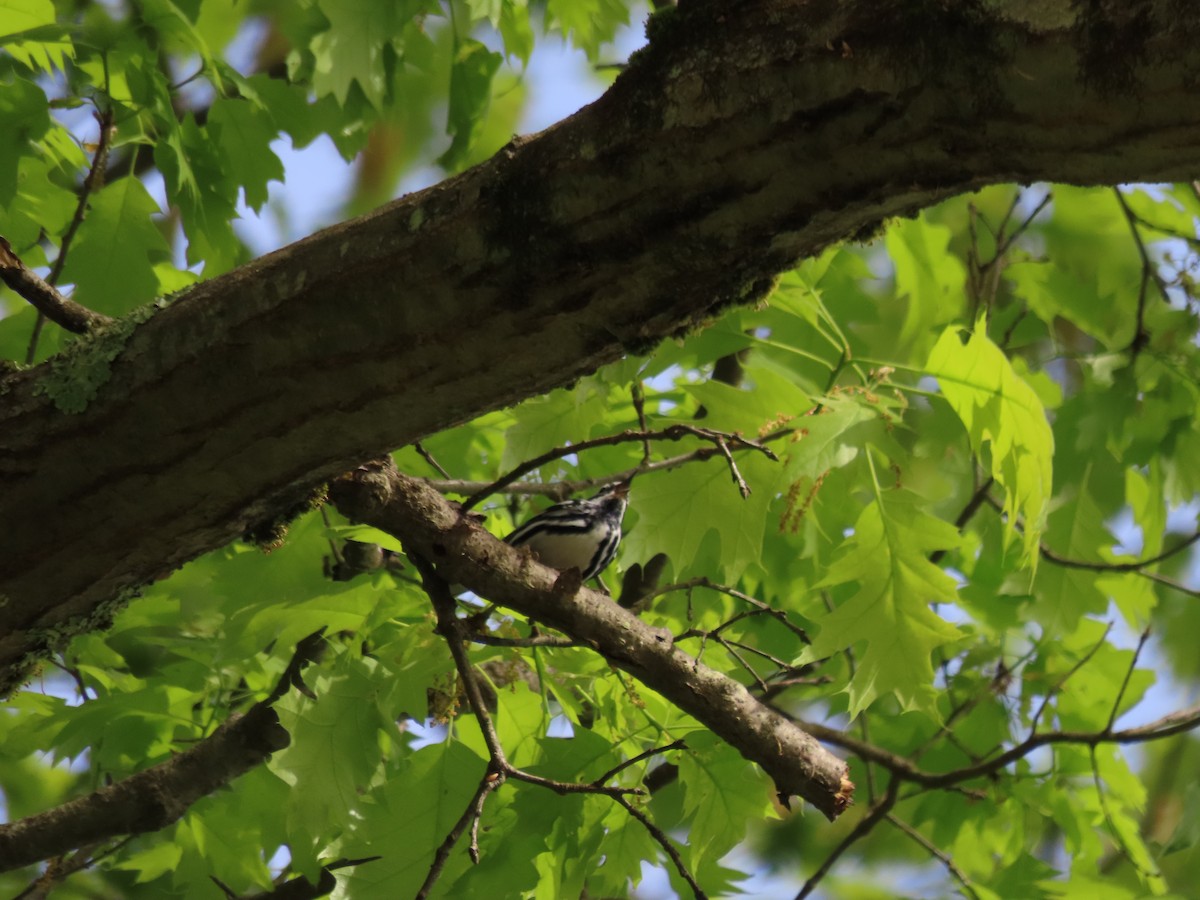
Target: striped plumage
{"points": [[580, 534]]}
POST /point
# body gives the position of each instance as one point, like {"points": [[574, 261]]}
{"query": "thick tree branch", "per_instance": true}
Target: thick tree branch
{"points": [[151, 799], [744, 138], [465, 553], [154, 798]]}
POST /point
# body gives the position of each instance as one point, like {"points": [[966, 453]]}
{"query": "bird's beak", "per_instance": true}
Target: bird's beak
{"points": [[621, 488]]}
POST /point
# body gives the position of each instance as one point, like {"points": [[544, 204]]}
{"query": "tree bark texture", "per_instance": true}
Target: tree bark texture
{"points": [[745, 137]]}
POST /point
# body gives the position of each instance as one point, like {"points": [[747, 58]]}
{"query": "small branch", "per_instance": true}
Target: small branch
{"points": [[777, 614], [487, 784], [539, 640], [1004, 245], [936, 853], [634, 760], [428, 457], [1175, 723], [158, 796], [1171, 583], [64, 866], [743, 488], [1116, 707], [463, 487], [1149, 273], [671, 433], [76, 676], [45, 297], [729, 646], [868, 822], [91, 182], [1135, 566], [968, 512], [1058, 685], [639, 406], [668, 847], [453, 630]]}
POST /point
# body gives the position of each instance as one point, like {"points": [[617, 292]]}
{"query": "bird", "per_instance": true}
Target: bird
{"points": [[577, 534]]}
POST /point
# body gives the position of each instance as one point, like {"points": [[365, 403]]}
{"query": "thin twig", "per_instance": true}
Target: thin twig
{"points": [[639, 405], [476, 809], [1008, 241], [428, 457], [1149, 273], [1171, 583], [864, 827], [556, 490], [1059, 560], [703, 582], [1058, 685], [671, 433], [452, 629], [91, 182], [538, 640], [935, 852], [968, 512], [668, 847], [733, 469], [442, 854], [634, 760], [705, 635], [61, 868], [1178, 722], [76, 676], [1116, 707], [1135, 566]]}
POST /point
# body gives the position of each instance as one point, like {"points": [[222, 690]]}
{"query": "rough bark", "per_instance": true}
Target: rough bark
{"points": [[745, 137], [464, 552]]}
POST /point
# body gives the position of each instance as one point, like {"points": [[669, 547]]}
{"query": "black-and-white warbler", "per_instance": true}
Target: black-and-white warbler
{"points": [[579, 534]]}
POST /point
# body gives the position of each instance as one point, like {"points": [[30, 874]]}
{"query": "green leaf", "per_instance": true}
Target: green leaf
{"points": [[887, 558], [470, 94], [26, 117], [826, 441], [335, 749], [29, 33], [351, 51], [1002, 411], [931, 278], [197, 180], [559, 418], [112, 260], [678, 510], [516, 30], [40, 204], [407, 821], [723, 793], [244, 132], [588, 23]]}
